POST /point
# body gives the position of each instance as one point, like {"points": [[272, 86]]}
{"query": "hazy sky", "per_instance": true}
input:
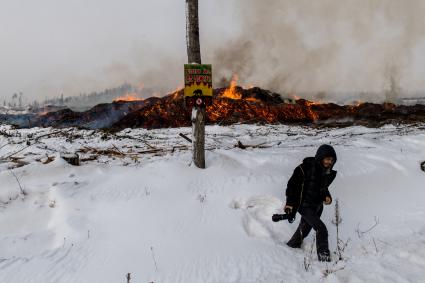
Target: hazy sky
{"points": [[73, 46], [325, 47]]}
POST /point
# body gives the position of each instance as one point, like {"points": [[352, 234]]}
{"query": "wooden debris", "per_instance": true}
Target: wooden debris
{"points": [[6, 134], [137, 139], [90, 158], [185, 137], [71, 158], [49, 159], [18, 162], [243, 146], [240, 145]]}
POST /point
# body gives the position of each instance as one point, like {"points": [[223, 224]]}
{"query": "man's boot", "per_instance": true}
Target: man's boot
{"points": [[294, 244]]}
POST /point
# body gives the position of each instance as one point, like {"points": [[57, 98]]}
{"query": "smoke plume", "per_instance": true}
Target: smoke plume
{"points": [[367, 49]]}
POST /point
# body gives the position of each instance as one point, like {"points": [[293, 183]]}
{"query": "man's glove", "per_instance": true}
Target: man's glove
{"points": [[289, 210]]}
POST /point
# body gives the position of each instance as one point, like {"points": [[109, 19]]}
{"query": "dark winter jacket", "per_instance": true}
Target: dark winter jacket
{"points": [[309, 183]]}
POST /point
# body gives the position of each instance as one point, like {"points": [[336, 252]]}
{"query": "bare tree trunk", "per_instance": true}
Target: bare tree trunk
{"points": [[192, 32], [194, 56], [198, 128]]}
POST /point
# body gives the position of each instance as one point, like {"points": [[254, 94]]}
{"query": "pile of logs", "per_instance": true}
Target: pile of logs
{"points": [[254, 105]]}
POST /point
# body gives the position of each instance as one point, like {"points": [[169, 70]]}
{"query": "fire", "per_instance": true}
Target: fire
{"points": [[357, 103], [294, 97], [176, 91], [128, 97], [253, 99], [232, 92], [311, 103]]}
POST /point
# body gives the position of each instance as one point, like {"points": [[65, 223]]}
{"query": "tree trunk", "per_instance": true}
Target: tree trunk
{"points": [[192, 32], [198, 128], [194, 56]]}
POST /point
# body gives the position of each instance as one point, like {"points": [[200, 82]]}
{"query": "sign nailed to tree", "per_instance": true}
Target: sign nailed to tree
{"points": [[198, 89]]}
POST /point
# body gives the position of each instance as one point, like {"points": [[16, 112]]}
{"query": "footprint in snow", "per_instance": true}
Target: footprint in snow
{"points": [[257, 218]]}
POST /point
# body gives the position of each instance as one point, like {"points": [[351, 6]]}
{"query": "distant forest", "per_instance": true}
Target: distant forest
{"points": [[85, 101], [80, 102]]}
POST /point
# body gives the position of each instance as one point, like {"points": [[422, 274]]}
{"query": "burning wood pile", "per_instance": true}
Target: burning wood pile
{"points": [[100, 116], [230, 105], [255, 105]]}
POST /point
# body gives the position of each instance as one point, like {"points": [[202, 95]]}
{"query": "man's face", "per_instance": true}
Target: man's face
{"points": [[327, 162]]}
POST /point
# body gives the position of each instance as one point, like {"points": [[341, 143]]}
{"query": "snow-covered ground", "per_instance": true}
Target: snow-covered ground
{"points": [[142, 208]]}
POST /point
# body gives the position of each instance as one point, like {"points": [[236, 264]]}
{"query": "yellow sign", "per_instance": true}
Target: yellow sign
{"points": [[198, 84]]}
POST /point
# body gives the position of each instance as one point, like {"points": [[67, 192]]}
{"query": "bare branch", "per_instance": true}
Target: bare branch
{"points": [[360, 233], [19, 183]]}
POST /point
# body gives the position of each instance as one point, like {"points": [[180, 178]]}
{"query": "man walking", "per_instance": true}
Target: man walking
{"points": [[306, 193]]}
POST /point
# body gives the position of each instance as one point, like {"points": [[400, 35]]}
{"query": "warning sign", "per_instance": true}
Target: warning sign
{"points": [[198, 85]]}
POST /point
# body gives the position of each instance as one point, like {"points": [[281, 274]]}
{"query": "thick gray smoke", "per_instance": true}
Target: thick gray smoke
{"points": [[360, 49]]}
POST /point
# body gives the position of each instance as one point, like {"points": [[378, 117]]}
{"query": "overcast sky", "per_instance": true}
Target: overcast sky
{"points": [[73, 46], [330, 47]]}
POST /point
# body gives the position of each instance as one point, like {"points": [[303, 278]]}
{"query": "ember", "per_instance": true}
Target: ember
{"points": [[128, 97]]}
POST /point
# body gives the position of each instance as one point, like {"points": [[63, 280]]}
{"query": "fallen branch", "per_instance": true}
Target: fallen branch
{"points": [[362, 233], [110, 151], [49, 134], [16, 152], [137, 139], [49, 159], [90, 158], [19, 183], [6, 134], [118, 149], [28, 143], [185, 137], [4, 145], [243, 146], [71, 158], [154, 259]]}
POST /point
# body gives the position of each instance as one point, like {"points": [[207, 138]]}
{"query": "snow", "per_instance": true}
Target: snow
{"points": [[158, 217]]}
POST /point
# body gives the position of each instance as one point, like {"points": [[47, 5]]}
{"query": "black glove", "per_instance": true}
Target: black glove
{"points": [[288, 210], [291, 215]]}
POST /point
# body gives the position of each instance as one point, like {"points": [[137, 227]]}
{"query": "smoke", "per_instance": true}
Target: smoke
{"points": [[369, 49], [337, 50]]}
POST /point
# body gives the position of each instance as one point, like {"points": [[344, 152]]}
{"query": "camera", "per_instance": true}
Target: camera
{"points": [[287, 216]]}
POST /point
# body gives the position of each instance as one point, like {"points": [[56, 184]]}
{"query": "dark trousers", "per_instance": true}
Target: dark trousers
{"points": [[311, 219]]}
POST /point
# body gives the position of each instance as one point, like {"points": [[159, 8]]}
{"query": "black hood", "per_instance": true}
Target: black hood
{"points": [[325, 151]]}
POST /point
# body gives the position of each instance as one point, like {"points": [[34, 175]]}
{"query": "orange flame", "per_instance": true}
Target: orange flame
{"points": [[295, 97], [311, 103], [176, 91], [357, 103], [232, 92], [128, 97]]}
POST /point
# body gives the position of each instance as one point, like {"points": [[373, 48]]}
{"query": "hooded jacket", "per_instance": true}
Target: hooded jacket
{"points": [[309, 184]]}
